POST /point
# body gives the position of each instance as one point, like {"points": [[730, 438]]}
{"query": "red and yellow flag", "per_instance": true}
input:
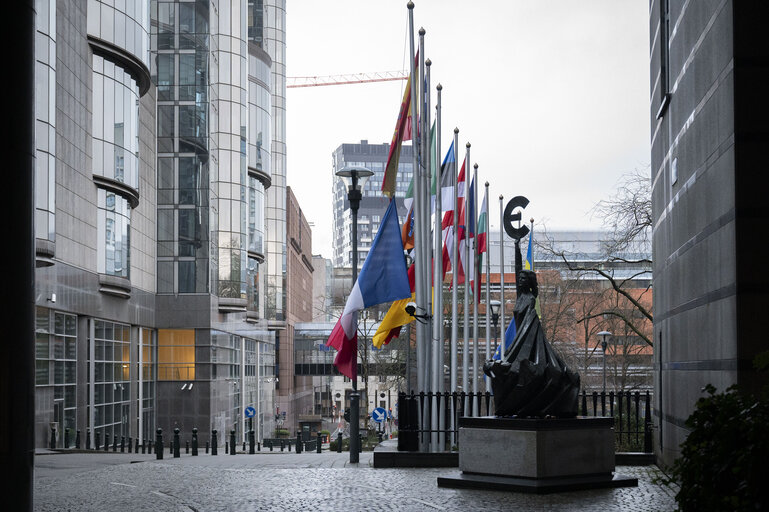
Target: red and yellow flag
{"points": [[402, 132]]}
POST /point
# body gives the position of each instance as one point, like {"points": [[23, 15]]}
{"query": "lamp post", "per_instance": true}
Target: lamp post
{"points": [[494, 306], [604, 335], [354, 178]]}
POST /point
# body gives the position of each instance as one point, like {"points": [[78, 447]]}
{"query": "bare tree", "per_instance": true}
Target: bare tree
{"points": [[627, 218]]}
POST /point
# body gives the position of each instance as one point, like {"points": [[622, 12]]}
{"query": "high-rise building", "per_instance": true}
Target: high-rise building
{"points": [[155, 129], [708, 138], [372, 205]]}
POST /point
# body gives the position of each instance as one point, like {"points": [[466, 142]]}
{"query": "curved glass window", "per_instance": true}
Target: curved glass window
{"points": [[114, 245], [115, 123], [255, 215], [252, 284], [124, 24]]}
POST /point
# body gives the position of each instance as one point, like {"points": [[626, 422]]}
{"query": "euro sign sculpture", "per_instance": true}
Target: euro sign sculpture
{"points": [[531, 379]]}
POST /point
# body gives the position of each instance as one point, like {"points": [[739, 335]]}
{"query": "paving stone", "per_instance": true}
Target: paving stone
{"points": [[294, 482]]}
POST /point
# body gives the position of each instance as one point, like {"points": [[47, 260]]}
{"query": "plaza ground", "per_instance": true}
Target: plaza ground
{"points": [[98, 481]]}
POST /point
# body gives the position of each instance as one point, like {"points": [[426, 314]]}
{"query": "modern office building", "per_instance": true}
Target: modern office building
{"points": [[708, 135], [294, 400], [154, 134], [372, 205]]}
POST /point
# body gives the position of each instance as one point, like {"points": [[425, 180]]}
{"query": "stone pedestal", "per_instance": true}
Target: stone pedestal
{"points": [[536, 455]]}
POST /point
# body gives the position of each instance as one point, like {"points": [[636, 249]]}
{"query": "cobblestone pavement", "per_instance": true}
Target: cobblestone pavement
{"points": [[290, 481]]}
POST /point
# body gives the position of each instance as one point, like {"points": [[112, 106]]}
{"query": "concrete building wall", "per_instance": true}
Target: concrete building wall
{"points": [[707, 170]]}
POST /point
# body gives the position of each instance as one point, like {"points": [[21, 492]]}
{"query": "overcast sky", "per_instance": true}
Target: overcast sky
{"points": [[552, 95]]}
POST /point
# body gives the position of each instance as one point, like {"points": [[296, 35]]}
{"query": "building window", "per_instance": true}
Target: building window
{"points": [[111, 379], [115, 123], [664, 57], [113, 237], [148, 370], [56, 363], [176, 354], [252, 284]]}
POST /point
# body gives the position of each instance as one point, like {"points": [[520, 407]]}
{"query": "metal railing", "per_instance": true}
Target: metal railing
{"points": [[631, 412]]}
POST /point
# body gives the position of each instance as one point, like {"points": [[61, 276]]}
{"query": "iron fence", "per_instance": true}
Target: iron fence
{"points": [[417, 431]]}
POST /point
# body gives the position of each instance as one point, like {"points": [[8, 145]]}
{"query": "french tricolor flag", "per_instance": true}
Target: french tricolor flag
{"points": [[383, 278]]}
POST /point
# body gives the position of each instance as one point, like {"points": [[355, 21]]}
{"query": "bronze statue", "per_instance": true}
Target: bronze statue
{"points": [[531, 380]]}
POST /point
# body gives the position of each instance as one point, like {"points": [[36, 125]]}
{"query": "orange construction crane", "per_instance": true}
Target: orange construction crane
{"points": [[353, 78]]}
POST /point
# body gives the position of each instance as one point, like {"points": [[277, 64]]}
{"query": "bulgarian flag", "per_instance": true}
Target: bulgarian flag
{"points": [[383, 278], [480, 239], [402, 132]]}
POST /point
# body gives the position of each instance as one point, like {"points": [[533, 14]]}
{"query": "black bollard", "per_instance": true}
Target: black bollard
{"points": [[299, 442], [186, 447], [233, 447], [176, 443], [98, 440], [214, 448], [122, 444], [339, 443], [206, 447], [136, 445], [282, 444], [258, 447], [88, 439], [319, 443], [144, 447], [106, 441], [77, 439], [195, 442], [159, 443], [53, 438], [288, 445], [244, 447], [66, 437], [251, 448], [114, 443], [271, 443], [226, 447]]}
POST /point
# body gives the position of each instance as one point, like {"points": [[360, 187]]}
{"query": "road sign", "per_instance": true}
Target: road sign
{"points": [[250, 412], [379, 414]]}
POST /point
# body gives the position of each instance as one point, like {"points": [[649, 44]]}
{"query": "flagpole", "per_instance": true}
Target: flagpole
{"points": [[418, 291], [454, 294], [421, 238], [466, 309], [475, 292], [437, 374], [502, 323], [488, 291]]}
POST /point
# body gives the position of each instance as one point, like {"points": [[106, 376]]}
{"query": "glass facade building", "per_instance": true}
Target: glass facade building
{"points": [[154, 125]]}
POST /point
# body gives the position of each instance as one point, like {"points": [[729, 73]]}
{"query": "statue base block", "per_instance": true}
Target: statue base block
{"points": [[536, 455]]}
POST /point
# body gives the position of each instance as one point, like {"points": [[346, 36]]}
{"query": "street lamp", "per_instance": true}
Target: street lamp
{"points": [[354, 178], [494, 306], [604, 335]]}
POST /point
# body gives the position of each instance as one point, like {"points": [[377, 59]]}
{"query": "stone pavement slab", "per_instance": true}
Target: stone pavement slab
{"points": [[308, 481]]}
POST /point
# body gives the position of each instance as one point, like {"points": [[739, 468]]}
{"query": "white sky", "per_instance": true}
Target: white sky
{"points": [[553, 95]]}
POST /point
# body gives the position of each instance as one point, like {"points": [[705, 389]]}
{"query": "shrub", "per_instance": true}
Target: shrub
{"points": [[722, 462]]}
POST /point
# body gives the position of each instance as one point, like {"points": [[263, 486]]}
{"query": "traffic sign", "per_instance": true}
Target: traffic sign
{"points": [[250, 412], [379, 414]]}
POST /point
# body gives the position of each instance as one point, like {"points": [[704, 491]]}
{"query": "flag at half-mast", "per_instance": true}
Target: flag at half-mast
{"points": [[402, 132], [383, 278], [449, 237], [480, 239], [407, 230], [467, 236]]}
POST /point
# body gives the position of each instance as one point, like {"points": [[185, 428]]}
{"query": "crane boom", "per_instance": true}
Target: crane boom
{"points": [[351, 78]]}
